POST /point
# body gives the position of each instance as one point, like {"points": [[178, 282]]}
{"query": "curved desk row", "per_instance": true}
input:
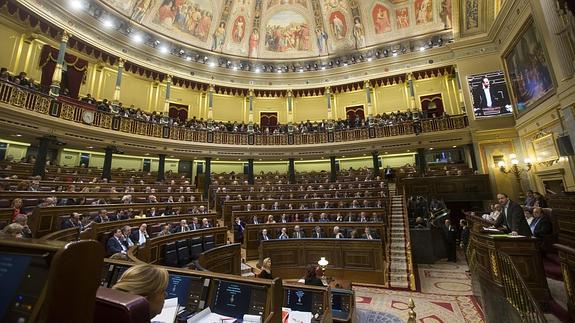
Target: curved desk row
{"points": [[252, 232]]}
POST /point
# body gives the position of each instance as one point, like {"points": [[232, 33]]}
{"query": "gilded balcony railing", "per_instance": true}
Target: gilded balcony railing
{"points": [[517, 293], [72, 111]]}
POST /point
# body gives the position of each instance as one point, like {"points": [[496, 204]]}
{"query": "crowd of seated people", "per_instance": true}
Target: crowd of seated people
{"points": [[318, 233], [125, 237], [385, 119]]}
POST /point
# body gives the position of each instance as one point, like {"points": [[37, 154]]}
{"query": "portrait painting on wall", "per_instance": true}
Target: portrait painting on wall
{"points": [[489, 95], [402, 18], [190, 17], [381, 20], [529, 69], [287, 31], [239, 29], [423, 11], [338, 25]]}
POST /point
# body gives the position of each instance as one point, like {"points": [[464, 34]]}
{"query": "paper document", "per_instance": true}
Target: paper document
{"points": [[490, 229], [206, 316], [169, 312], [296, 316]]}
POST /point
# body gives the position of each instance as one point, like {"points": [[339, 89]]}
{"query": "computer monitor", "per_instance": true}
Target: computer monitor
{"points": [[341, 302], [179, 286], [236, 299], [298, 299], [22, 279]]}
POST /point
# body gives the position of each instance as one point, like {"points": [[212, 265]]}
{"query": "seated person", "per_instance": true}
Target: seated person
{"points": [[495, 212], [311, 276], [206, 223], [126, 230], [148, 281], [323, 217], [182, 227], [194, 225], [283, 234], [266, 271], [264, 235], [12, 230], [317, 234], [102, 217], [362, 217], [22, 219], [152, 213], [255, 220], [541, 225], [284, 218], [141, 236], [336, 233], [73, 222], [115, 245], [165, 230], [420, 223], [310, 218], [298, 233], [270, 219], [367, 234]]}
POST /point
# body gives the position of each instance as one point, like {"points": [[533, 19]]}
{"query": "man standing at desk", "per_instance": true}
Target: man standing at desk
{"points": [[512, 219]]}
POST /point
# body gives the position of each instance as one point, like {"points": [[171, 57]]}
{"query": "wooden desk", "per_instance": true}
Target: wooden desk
{"points": [[253, 231], [359, 260], [224, 259], [153, 250]]}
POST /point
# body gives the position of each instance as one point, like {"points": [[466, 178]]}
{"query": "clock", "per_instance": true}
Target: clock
{"points": [[88, 116]]}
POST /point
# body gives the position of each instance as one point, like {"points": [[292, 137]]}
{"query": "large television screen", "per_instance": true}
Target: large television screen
{"points": [[489, 95], [232, 299]]}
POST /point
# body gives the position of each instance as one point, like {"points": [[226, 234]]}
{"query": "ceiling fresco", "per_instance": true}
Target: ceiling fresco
{"points": [[286, 29]]}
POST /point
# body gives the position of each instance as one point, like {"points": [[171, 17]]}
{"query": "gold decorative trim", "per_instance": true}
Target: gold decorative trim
{"points": [[494, 266]]}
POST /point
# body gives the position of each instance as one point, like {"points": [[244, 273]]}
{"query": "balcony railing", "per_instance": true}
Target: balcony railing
{"points": [[67, 110]]}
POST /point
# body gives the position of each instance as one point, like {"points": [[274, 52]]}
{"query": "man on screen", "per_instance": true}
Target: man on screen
{"points": [[489, 100]]}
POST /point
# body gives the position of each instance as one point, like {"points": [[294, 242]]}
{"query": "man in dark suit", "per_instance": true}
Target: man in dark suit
{"points": [[195, 225], [141, 236], [298, 233], [540, 225], [73, 222], [512, 218], [367, 234], [317, 234], [239, 228], [450, 236], [484, 96], [182, 227], [115, 245], [264, 235], [152, 213]]}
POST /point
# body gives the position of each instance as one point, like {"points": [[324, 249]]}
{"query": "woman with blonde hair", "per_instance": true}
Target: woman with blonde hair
{"points": [[16, 207], [148, 281], [266, 269]]}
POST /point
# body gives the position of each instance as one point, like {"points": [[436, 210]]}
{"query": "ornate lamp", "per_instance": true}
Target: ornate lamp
{"points": [[323, 264], [516, 169]]}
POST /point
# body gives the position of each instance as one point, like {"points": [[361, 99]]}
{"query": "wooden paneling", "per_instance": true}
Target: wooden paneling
{"points": [[358, 260], [225, 259], [450, 188]]}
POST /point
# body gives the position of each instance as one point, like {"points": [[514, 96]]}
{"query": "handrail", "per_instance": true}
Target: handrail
{"points": [[75, 112], [517, 293], [411, 275]]}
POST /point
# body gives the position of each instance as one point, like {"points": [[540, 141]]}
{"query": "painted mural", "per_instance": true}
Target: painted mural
{"points": [[423, 11], [191, 17], [292, 28], [381, 20], [287, 31], [402, 18]]}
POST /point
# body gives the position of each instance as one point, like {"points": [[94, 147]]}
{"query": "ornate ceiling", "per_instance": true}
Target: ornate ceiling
{"points": [[286, 29]]}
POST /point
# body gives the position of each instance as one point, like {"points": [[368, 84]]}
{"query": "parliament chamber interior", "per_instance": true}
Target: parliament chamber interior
{"points": [[287, 161]]}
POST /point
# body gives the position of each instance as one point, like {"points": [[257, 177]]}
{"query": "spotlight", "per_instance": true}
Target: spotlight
{"points": [[422, 48], [403, 50], [323, 68], [385, 52], [235, 68], [212, 64], [156, 43], [137, 38], [369, 59], [77, 4], [188, 58], [440, 41], [164, 50], [108, 23], [337, 62], [257, 70], [377, 54], [181, 52], [394, 53]]}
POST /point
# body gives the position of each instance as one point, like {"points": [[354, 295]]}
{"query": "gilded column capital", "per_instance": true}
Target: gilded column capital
{"points": [[169, 78], [366, 84], [65, 37], [121, 62]]}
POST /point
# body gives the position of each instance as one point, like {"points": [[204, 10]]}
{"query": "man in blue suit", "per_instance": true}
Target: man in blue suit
{"points": [[115, 245]]}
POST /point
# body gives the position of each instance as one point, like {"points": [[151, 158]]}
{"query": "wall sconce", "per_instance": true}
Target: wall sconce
{"points": [[515, 168]]}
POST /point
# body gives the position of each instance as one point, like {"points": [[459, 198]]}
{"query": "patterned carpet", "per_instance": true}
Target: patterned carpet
{"points": [[445, 297]]}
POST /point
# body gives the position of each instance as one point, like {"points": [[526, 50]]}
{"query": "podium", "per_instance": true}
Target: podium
{"points": [[489, 266]]}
